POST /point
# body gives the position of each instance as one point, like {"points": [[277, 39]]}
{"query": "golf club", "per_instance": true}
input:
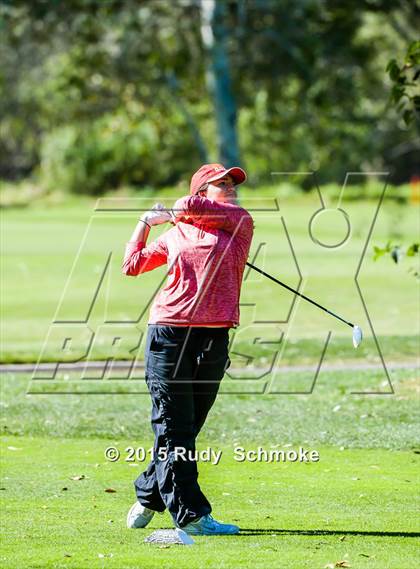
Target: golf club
{"points": [[357, 332]]}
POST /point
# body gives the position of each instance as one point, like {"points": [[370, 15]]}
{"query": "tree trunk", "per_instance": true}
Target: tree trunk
{"points": [[214, 34]]}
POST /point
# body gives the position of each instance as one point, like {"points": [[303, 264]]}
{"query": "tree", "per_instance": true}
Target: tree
{"points": [[98, 94], [214, 35]]}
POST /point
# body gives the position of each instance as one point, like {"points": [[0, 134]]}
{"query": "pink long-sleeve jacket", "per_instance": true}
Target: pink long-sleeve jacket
{"points": [[206, 252]]}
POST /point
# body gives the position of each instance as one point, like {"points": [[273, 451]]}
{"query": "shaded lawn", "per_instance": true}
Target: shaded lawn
{"points": [[331, 415]]}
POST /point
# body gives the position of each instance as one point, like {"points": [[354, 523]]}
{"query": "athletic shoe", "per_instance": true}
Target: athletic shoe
{"points": [[139, 516], [206, 525]]}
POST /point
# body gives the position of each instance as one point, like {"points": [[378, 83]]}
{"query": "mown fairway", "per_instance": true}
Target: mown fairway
{"points": [[57, 256], [358, 504]]}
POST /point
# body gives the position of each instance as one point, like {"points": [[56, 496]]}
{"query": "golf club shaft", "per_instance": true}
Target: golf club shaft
{"points": [[299, 294]]}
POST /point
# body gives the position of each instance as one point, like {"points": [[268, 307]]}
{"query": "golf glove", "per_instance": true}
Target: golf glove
{"points": [[157, 215]]}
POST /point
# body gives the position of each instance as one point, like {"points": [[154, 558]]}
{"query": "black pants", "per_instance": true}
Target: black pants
{"points": [[184, 367]]}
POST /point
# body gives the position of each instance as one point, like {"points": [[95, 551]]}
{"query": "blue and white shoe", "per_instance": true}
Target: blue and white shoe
{"points": [[206, 525], [139, 516]]}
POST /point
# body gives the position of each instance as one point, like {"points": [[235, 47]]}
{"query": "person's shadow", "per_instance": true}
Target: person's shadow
{"points": [[253, 531]]}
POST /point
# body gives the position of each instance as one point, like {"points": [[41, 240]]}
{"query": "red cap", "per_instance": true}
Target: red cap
{"points": [[212, 172]]}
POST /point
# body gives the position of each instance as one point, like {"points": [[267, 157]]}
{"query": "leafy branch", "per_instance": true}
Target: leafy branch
{"points": [[397, 254], [405, 78]]}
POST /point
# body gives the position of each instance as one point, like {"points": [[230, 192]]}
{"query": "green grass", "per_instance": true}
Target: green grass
{"points": [[331, 415], [345, 507], [358, 503], [41, 244]]}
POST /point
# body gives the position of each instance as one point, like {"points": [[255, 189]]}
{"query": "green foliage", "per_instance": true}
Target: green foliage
{"points": [[397, 254], [405, 95], [413, 250], [116, 149], [93, 158], [405, 92], [308, 79]]}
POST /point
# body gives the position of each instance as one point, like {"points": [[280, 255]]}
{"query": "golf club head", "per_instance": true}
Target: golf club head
{"points": [[357, 336], [184, 537]]}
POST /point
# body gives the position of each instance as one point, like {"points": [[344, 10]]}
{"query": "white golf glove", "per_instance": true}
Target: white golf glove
{"points": [[157, 215]]}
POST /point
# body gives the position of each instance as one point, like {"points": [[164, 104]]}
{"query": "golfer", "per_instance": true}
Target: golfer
{"points": [[187, 342]]}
